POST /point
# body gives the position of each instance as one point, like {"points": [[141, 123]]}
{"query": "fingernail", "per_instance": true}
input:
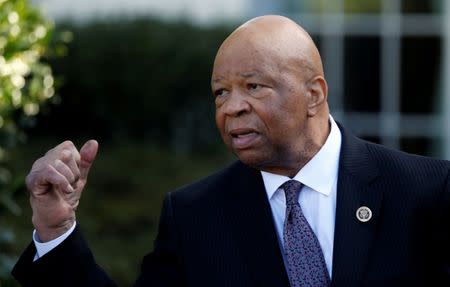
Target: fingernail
{"points": [[69, 189]]}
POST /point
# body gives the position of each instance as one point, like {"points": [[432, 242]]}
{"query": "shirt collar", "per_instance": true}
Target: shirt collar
{"points": [[319, 173]]}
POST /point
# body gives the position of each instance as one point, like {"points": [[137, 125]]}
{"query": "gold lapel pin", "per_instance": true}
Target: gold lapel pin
{"points": [[364, 214]]}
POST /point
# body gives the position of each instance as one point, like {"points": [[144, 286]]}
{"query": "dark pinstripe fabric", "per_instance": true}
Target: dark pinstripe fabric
{"points": [[219, 231]]}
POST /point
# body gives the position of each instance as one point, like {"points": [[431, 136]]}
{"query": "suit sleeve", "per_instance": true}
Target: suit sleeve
{"points": [[72, 264], [69, 264]]}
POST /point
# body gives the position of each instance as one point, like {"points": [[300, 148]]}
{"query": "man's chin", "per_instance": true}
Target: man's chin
{"points": [[252, 159]]}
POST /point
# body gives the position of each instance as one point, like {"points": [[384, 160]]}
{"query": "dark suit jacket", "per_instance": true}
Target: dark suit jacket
{"points": [[219, 231]]}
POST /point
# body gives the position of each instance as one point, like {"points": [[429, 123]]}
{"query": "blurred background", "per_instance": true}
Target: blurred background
{"points": [[134, 74]]}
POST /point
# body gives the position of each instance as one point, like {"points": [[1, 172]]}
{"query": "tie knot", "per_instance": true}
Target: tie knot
{"points": [[291, 190]]}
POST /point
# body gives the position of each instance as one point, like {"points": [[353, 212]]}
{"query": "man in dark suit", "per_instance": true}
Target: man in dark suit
{"points": [[306, 204]]}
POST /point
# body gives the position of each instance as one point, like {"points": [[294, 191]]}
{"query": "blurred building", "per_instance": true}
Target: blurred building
{"points": [[387, 66], [198, 11], [387, 62]]}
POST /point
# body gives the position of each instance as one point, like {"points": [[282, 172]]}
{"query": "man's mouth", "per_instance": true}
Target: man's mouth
{"points": [[243, 138]]}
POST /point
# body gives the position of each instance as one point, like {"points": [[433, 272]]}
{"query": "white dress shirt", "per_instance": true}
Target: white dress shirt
{"points": [[43, 248], [318, 196]]}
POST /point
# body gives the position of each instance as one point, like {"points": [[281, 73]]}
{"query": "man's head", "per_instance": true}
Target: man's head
{"points": [[271, 95]]}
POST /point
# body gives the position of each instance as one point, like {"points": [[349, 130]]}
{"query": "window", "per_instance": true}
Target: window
{"points": [[384, 63]]}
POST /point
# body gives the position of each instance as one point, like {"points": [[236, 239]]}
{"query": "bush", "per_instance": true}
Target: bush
{"points": [[26, 82], [138, 79]]}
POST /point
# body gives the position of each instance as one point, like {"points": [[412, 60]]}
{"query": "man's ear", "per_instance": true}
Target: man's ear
{"points": [[317, 94]]}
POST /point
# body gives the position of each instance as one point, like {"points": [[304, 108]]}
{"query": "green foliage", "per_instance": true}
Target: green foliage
{"points": [[349, 6], [138, 79], [26, 82]]}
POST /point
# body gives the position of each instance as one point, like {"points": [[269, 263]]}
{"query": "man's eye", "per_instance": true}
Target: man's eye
{"points": [[253, 87], [219, 92]]}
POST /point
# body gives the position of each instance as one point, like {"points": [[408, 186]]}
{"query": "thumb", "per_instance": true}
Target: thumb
{"points": [[87, 155]]}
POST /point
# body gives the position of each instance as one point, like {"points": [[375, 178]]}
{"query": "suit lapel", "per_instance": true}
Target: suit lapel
{"points": [[256, 235], [353, 239], [254, 229]]}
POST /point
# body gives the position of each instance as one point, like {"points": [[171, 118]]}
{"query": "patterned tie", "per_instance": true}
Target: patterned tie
{"points": [[306, 264]]}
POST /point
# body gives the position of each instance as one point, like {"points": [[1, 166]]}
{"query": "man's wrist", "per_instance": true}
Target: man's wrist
{"points": [[43, 248], [46, 234]]}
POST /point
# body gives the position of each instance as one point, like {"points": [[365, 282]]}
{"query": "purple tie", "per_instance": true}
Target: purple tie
{"points": [[305, 262]]}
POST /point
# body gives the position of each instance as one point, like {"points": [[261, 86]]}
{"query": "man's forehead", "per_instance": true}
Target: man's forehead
{"points": [[246, 61]]}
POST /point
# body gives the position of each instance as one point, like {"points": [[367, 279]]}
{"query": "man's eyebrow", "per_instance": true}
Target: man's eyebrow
{"points": [[244, 75], [249, 74], [216, 80]]}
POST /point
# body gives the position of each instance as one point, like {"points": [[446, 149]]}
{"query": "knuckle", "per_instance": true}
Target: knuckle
{"points": [[42, 160], [49, 170], [64, 150], [70, 154], [68, 144], [49, 152], [66, 155], [29, 181], [36, 164], [58, 163]]}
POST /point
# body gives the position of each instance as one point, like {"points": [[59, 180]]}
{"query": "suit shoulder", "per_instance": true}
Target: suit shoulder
{"points": [[396, 161], [213, 185]]}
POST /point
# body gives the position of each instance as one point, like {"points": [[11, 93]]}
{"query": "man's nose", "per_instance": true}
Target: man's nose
{"points": [[237, 105]]}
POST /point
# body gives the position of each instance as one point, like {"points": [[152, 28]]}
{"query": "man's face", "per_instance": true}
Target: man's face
{"points": [[261, 107]]}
